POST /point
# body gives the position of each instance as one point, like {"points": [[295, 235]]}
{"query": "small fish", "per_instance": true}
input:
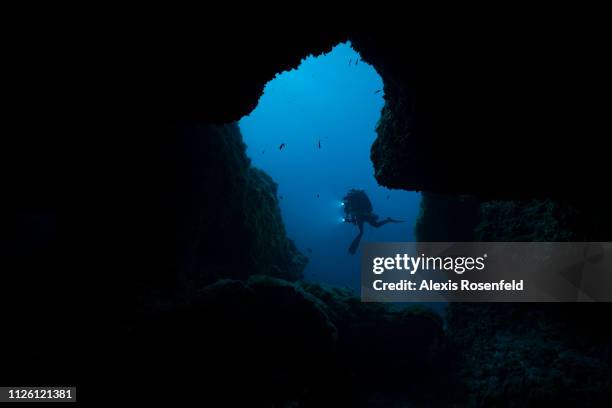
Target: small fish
{"points": [[280, 197], [388, 197], [309, 250], [319, 143], [350, 61], [263, 151], [281, 146], [317, 195], [377, 91], [357, 61]]}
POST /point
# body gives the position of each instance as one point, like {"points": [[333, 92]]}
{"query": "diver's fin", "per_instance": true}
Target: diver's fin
{"points": [[355, 244]]}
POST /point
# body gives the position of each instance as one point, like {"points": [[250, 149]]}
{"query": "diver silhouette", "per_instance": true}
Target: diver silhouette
{"points": [[358, 209]]}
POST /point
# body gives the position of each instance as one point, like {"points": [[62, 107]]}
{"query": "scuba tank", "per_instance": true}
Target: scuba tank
{"points": [[355, 202]]}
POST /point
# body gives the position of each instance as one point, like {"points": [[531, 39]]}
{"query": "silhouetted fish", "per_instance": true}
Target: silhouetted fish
{"points": [[317, 195], [263, 151], [377, 91], [357, 61], [280, 197], [281, 146], [309, 250], [350, 61], [388, 197], [319, 143]]}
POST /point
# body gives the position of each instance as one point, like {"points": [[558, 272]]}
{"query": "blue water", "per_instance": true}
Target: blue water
{"points": [[326, 99]]}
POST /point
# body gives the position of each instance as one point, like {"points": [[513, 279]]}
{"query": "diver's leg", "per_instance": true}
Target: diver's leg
{"points": [[355, 243], [377, 224]]}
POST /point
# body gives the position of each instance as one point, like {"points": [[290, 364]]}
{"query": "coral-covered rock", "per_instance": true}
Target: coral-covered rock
{"points": [[270, 251], [233, 220], [544, 220], [524, 221], [284, 342], [390, 354], [527, 355], [204, 214], [514, 355], [263, 340]]}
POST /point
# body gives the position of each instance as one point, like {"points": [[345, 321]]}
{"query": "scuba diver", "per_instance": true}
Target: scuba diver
{"points": [[358, 209]]}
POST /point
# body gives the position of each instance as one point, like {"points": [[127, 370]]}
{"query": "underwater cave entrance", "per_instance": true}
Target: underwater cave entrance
{"points": [[311, 132]]}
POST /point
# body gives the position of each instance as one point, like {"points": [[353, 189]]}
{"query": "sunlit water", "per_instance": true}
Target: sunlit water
{"points": [[325, 113]]}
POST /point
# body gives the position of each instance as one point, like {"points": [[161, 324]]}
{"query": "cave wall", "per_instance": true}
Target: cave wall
{"points": [[532, 354], [525, 354], [486, 109], [281, 343], [446, 218], [545, 220], [232, 220], [225, 218], [473, 107]]}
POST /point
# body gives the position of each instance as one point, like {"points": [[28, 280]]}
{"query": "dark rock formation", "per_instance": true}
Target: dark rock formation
{"points": [[532, 355], [472, 106], [467, 218], [291, 343], [262, 341], [467, 110], [526, 354], [526, 221], [389, 355], [227, 222], [466, 113], [446, 218], [544, 220], [235, 214], [171, 210]]}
